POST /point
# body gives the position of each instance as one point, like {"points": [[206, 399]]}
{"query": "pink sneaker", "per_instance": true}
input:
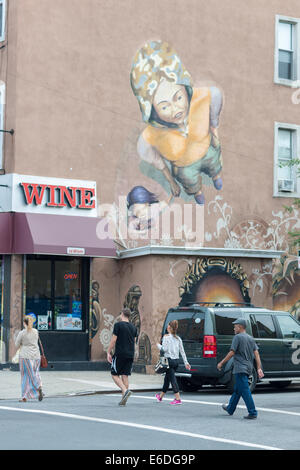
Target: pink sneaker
{"points": [[158, 397], [176, 402]]}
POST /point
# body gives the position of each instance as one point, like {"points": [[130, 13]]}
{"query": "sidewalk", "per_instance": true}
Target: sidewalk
{"points": [[66, 383]]}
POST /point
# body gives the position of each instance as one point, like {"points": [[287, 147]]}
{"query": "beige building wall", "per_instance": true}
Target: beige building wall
{"points": [[69, 100]]}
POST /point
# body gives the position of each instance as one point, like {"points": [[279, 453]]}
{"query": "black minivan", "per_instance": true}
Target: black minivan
{"points": [[207, 331]]}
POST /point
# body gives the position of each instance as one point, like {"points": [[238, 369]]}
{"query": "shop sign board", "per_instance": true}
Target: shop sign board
{"points": [[47, 195], [75, 251]]}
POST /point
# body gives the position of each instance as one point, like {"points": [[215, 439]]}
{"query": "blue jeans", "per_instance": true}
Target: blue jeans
{"points": [[241, 389]]}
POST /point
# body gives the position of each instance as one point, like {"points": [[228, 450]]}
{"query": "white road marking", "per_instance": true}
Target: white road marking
{"points": [[199, 402], [141, 426]]}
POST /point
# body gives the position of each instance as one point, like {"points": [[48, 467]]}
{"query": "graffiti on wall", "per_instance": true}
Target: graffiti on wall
{"points": [[286, 285], [167, 164], [253, 232], [279, 278], [215, 280], [102, 322], [132, 300], [180, 143]]}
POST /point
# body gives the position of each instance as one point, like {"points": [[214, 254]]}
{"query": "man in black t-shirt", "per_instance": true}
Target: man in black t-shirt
{"points": [[123, 340]]}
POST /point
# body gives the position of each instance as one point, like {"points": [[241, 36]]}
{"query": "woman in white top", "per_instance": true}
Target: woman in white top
{"points": [[30, 358], [172, 346]]}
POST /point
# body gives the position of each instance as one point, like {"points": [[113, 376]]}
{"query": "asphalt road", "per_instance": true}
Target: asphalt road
{"points": [[95, 422]]}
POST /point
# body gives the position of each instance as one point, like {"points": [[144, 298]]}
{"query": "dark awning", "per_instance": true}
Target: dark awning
{"points": [[55, 235]]}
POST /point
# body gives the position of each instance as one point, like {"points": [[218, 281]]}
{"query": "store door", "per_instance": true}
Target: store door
{"points": [[57, 296]]}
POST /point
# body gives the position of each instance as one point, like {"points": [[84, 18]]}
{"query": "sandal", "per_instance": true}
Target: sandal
{"points": [[41, 396]]}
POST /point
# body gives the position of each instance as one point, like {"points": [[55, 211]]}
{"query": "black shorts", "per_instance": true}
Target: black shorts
{"points": [[121, 365]]}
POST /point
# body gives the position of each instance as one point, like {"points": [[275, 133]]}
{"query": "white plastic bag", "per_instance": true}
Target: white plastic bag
{"points": [[15, 359]]}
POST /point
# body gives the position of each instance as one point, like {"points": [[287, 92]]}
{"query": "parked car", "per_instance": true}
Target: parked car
{"points": [[207, 331]]}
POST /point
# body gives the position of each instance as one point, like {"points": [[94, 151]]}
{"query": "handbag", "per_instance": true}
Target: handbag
{"points": [[44, 362], [162, 365]]}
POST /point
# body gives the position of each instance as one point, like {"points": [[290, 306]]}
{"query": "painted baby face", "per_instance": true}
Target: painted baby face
{"points": [[171, 102], [141, 211]]}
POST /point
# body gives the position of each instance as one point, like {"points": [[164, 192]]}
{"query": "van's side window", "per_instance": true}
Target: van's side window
{"points": [[265, 327], [289, 327], [224, 322]]}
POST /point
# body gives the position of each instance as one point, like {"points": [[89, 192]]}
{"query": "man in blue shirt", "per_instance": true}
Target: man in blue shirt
{"points": [[243, 350]]}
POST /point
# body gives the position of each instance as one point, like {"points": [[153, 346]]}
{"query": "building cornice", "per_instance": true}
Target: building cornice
{"points": [[194, 251]]}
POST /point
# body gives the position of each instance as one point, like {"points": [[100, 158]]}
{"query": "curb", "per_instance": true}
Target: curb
{"points": [[87, 393]]}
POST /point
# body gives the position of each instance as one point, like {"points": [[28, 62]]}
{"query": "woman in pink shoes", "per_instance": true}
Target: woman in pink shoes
{"points": [[172, 346]]}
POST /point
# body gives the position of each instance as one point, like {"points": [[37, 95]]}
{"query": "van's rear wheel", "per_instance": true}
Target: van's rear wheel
{"points": [[187, 385], [252, 381]]}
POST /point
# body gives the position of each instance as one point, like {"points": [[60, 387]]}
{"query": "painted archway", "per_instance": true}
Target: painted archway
{"points": [[215, 280]]}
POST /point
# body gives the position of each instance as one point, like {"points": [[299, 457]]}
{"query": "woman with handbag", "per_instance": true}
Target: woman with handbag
{"points": [[29, 360], [172, 346]]}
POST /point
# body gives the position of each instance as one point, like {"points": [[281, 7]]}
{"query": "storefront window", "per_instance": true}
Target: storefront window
{"points": [[54, 293], [38, 291], [67, 302]]}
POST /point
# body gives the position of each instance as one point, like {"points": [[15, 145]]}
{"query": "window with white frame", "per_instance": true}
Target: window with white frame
{"points": [[286, 179], [287, 51], [2, 110], [2, 19]]}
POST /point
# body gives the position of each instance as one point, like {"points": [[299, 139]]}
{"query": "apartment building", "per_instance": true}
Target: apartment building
{"points": [[142, 159]]}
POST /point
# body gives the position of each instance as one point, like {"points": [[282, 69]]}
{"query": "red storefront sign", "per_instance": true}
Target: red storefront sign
{"points": [[58, 196]]}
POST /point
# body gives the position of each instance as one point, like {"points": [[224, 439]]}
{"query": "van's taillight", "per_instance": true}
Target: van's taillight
{"points": [[209, 346]]}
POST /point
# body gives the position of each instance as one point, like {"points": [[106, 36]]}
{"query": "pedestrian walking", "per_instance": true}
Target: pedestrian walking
{"points": [[171, 347], [123, 341], [29, 361], [243, 350]]}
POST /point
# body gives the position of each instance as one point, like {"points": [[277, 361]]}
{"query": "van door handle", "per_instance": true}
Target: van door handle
{"points": [[288, 345]]}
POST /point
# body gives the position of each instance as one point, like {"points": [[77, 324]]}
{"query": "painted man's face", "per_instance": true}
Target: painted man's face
{"points": [[171, 102]]}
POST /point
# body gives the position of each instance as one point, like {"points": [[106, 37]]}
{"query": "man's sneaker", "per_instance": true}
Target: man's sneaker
{"points": [[225, 408], [158, 397], [176, 402], [250, 417], [125, 398]]}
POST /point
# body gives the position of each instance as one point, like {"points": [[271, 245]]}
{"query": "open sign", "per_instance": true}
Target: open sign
{"points": [[70, 276]]}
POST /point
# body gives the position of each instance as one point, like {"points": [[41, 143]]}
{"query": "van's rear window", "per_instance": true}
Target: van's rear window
{"points": [[224, 324], [190, 325]]}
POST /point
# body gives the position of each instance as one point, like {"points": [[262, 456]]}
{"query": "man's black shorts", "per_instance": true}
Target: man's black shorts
{"points": [[121, 365]]}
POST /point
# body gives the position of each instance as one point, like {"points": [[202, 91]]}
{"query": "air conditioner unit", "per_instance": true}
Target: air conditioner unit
{"points": [[286, 186]]}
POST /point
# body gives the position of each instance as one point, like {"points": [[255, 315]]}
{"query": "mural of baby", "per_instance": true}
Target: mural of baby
{"points": [[143, 209], [181, 138]]}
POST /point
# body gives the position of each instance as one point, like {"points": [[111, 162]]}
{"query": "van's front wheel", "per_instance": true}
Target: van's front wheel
{"points": [[252, 381]]}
